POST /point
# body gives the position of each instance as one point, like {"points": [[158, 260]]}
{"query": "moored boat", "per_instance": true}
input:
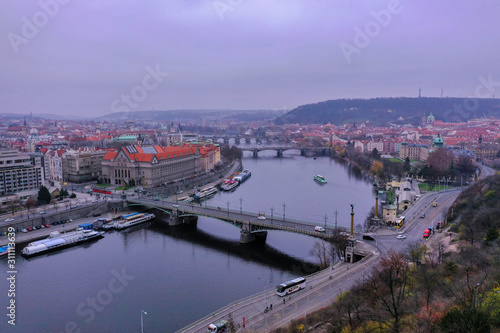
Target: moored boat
{"points": [[205, 193], [57, 240], [133, 219], [319, 179], [4, 250]]}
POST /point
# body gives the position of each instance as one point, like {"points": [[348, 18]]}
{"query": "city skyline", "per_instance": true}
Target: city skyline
{"points": [[93, 58]]}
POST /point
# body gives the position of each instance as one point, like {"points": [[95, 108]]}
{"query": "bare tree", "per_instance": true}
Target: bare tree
{"points": [[321, 251], [386, 291]]}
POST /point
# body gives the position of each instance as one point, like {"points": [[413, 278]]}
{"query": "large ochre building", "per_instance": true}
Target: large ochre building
{"points": [[152, 166]]}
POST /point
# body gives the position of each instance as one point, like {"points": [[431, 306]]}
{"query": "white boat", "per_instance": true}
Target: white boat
{"points": [[242, 176], [229, 185], [205, 193], [57, 240], [133, 220]]}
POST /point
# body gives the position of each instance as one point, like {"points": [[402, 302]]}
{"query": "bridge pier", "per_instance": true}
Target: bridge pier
{"points": [[303, 152], [279, 152], [248, 236], [255, 153]]}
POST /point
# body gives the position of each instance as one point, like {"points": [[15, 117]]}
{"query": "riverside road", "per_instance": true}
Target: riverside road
{"points": [[323, 287]]}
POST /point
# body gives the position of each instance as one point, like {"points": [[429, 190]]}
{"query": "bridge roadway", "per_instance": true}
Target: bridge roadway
{"points": [[240, 219]]}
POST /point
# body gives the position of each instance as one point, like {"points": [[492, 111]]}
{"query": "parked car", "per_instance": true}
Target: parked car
{"points": [[24, 230], [319, 229], [9, 220], [47, 225], [176, 205], [422, 215], [30, 229]]}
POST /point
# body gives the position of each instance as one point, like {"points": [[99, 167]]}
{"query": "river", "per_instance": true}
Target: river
{"points": [[180, 274]]}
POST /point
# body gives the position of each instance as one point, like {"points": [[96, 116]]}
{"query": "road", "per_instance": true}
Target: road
{"points": [[321, 290]]}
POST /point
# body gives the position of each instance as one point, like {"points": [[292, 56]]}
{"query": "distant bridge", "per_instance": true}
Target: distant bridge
{"points": [[280, 149], [252, 228]]}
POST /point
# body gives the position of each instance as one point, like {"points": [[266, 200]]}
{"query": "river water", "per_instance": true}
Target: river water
{"points": [[178, 275]]}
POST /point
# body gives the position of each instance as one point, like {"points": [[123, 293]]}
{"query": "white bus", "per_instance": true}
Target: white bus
{"points": [[291, 286]]}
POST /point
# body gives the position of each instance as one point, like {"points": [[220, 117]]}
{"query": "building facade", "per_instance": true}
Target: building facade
{"points": [[153, 166], [17, 175], [82, 165], [415, 152]]}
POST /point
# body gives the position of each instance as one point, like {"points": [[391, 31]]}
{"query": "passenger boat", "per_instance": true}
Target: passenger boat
{"points": [[205, 193], [319, 179], [133, 219], [57, 240], [242, 176], [228, 186]]}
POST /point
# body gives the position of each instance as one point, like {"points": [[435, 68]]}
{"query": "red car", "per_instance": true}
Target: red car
{"points": [[47, 225], [30, 229]]}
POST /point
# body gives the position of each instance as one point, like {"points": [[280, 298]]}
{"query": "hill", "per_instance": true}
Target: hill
{"points": [[183, 115], [382, 111]]}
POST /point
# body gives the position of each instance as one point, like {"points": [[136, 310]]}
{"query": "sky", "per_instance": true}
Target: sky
{"points": [[93, 57]]}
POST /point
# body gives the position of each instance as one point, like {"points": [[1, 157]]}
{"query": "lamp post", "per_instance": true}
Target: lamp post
{"points": [[272, 210], [326, 218], [284, 206], [241, 205], [142, 321], [227, 203]]}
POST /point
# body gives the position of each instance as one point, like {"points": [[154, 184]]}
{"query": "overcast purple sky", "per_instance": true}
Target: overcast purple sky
{"points": [[94, 57]]}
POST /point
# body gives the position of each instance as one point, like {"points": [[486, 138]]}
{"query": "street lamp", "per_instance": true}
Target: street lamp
{"points": [[284, 206], [272, 210], [142, 321], [241, 204], [227, 203]]}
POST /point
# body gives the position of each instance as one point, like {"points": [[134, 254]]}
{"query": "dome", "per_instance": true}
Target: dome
{"points": [[438, 141]]}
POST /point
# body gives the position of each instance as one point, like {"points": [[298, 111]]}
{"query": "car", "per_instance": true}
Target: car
{"points": [[176, 205], [422, 215], [71, 220], [55, 223], [261, 217], [9, 220], [30, 229], [73, 207], [434, 204], [319, 229], [43, 213], [24, 230], [42, 226], [400, 237], [47, 225]]}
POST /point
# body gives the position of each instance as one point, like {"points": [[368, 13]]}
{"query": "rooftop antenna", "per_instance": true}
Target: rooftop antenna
{"points": [[419, 92], [441, 92]]}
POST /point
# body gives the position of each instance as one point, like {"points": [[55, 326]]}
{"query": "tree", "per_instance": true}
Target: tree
{"points": [[64, 193], [338, 244], [407, 165], [440, 160], [44, 196], [375, 154], [386, 291], [464, 165], [320, 250], [376, 168], [30, 203], [466, 321]]}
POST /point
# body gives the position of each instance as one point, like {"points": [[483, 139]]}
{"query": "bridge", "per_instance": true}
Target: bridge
{"points": [[253, 228], [280, 149]]}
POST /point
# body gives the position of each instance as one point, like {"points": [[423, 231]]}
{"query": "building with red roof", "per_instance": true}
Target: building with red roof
{"points": [[152, 166]]}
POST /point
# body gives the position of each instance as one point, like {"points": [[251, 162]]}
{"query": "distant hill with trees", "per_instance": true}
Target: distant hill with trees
{"points": [[382, 111]]}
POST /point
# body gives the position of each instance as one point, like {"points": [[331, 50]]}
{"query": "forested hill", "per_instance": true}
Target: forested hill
{"points": [[381, 111]]}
